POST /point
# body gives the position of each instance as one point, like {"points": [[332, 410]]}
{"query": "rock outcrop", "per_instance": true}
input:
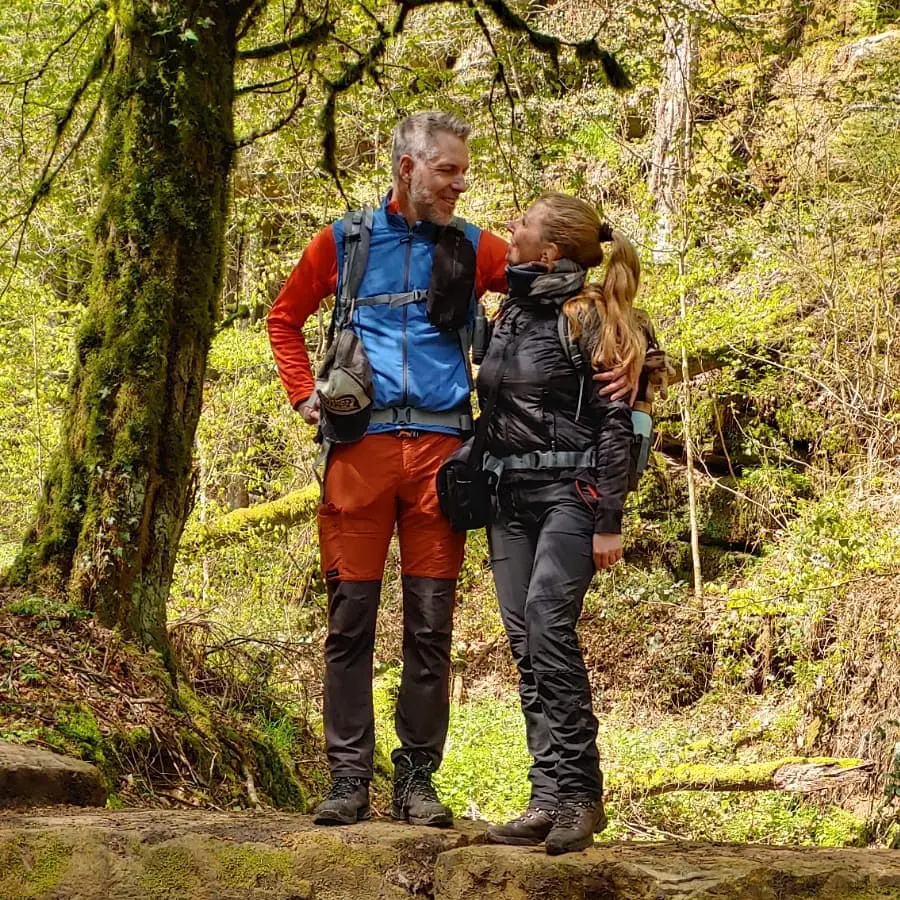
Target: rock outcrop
{"points": [[30, 776], [185, 855]]}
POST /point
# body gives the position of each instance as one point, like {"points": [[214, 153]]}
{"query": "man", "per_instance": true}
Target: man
{"points": [[419, 396]]}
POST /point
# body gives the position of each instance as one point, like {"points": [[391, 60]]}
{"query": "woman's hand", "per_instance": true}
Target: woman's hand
{"points": [[607, 550]]}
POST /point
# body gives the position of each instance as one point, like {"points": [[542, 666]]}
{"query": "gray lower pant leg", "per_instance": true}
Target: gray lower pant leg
{"points": [[512, 549], [348, 713], [423, 704]]}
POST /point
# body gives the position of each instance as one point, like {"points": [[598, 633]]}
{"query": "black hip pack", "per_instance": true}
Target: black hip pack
{"points": [[466, 490]]}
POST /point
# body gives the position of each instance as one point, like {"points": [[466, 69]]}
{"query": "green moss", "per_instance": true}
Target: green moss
{"points": [[275, 776], [76, 723], [47, 607], [249, 866], [32, 866], [170, 872]]}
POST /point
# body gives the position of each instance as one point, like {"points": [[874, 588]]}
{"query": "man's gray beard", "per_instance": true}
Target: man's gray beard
{"points": [[424, 203]]}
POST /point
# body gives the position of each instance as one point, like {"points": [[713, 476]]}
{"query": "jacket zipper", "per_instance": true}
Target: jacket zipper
{"points": [[403, 398]]}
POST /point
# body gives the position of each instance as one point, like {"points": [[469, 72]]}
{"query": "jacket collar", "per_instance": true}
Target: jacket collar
{"points": [[533, 282], [397, 220]]}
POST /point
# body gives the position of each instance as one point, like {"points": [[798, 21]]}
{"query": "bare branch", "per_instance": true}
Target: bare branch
{"points": [[46, 181], [266, 87], [38, 73], [275, 126], [48, 173], [309, 38]]}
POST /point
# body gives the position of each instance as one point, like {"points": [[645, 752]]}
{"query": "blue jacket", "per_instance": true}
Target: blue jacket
{"points": [[413, 363]]}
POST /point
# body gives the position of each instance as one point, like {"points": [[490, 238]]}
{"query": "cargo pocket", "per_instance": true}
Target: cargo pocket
{"points": [[328, 517]]}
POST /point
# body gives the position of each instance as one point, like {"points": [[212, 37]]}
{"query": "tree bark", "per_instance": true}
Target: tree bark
{"points": [[671, 159], [117, 492]]}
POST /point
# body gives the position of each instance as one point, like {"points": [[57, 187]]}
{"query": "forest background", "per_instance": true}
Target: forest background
{"points": [[752, 154]]}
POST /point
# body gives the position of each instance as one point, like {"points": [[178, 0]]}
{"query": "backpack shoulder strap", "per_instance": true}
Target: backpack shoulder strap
{"points": [[357, 233], [570, 346], [357, 236], [572, 350]]}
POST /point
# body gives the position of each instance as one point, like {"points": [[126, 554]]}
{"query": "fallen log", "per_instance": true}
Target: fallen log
{"points": [[803, 774], [296, 508]]}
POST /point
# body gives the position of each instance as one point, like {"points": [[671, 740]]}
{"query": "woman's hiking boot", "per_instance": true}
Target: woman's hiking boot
{"points": [[526, 830], [576, 823], [347, 802], [415, 800]]}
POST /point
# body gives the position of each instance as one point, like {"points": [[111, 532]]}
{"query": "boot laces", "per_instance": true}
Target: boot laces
{"points": [[569, 811], [535, 812], [418, 781], [344, 788]]}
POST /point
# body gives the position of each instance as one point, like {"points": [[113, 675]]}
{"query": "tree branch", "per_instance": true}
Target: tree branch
{"points": [[791, 774], [38, 73], [586, 51], [47, 177], [309, 38], [275, 126], [296, 508]]}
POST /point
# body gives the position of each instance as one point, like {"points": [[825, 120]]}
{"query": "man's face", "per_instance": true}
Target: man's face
{"points": [[436, 183]]}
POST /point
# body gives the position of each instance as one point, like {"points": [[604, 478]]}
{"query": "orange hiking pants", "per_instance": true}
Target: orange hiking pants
{"points": [[375, 483]]}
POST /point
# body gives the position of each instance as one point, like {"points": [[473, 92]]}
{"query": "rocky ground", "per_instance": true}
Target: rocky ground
{"points": [[81, 855], [73, 853]]}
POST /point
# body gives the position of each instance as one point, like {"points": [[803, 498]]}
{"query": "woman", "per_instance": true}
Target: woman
{"points": [[560, 508]]}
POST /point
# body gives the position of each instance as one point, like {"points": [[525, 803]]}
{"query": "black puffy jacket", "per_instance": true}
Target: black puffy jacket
{"points": [[543, 403]]}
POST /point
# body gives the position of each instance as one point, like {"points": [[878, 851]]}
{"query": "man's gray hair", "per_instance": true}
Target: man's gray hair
{"points": [[415, 135]]}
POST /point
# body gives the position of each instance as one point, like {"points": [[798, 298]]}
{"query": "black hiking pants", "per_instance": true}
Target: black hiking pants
{"points": [[423, 704], [542, 560]]}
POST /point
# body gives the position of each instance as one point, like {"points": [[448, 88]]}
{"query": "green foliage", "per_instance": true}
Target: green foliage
{"points": [[790, 594], [485, 761], [764, 817]]}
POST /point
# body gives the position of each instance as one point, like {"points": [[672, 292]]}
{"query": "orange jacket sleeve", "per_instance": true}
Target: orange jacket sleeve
{"points": [[490, 264], [312, 280]]}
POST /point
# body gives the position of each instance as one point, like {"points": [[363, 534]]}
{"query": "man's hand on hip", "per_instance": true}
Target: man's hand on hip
{"points": [[309, 409]]}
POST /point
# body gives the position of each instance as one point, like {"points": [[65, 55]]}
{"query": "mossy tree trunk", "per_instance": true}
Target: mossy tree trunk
{"points": [[116, 496]]}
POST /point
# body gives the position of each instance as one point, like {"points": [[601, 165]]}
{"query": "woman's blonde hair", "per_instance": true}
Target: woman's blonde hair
{"points": [[577, 230]]}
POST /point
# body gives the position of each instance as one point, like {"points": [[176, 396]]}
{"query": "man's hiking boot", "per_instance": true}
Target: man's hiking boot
{"points": [[415, 800], [525, 831], [576, 823], [347, 802]]}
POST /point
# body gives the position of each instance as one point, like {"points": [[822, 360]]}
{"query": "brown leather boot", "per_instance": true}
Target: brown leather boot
{"points": [[576, 823], [524, 831]]}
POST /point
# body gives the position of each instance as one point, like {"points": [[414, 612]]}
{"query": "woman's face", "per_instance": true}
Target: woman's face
{"points": [[526, 238]]}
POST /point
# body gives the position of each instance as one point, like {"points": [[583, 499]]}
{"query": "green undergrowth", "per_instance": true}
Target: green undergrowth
{"points": [[484, 772]]}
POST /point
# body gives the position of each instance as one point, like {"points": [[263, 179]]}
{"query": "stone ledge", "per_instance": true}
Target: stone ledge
{"points": [[185, 855], [30, 776]]}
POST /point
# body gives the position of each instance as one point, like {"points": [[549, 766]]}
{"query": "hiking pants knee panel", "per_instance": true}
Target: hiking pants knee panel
{"points": [[423, 703], [370, 486], [349, 719]]}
